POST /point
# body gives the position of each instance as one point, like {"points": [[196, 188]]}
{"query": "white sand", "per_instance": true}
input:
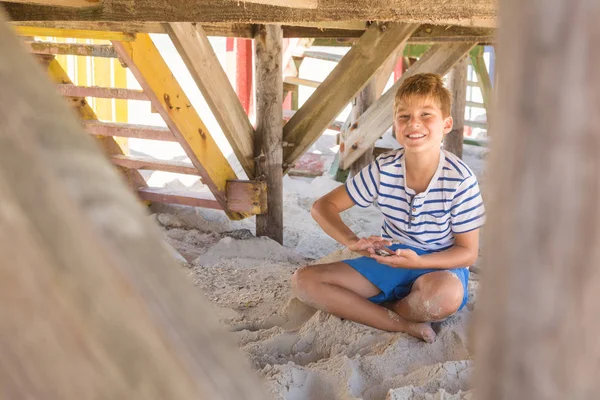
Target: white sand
{"points": [[300, 353]]}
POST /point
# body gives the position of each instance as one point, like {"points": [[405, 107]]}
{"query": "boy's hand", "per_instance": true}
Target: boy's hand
{"points": [[367, 246], [401, 258]]}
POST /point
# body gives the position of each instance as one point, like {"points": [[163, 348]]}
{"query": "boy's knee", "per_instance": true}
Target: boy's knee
{"points": [[303, 279], [441, 298]]}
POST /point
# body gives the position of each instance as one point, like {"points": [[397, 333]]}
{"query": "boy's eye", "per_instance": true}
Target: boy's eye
{"points": [[403, 116], [425, 114]]}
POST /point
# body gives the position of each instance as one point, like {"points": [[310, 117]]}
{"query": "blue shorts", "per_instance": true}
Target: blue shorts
{"points": [[396, 283]]}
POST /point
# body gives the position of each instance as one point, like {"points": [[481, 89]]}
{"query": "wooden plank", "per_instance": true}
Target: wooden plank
{"points": [[454, 12], [84, 111], [453, 142], [321, 55], [75, 49], [379, 117], [286, 3], [93, 304], [247, 196], [294, 80], [129, 130], [130, 27], [541, 247], [101, 92], [176, 167], [269, 133], [351, 74], [168, 98], [73, 33], [61, 3], [197, 53]]}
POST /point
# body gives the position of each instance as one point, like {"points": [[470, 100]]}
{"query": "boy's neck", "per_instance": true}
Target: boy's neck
{"points": [[420, 168]]}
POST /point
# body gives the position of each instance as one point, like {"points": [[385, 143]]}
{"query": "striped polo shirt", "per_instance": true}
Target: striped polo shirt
{"points": [[429, 220]]}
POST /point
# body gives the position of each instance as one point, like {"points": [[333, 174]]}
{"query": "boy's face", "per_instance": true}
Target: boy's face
{"points": [[420, 125]]}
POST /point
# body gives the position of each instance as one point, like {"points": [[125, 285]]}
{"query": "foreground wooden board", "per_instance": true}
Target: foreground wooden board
{"points": [[537, 328], [93, 305], [62, 3]]}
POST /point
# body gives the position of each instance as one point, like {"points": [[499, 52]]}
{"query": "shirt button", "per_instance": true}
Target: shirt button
{"points": [[414, 209], [412, 218]]}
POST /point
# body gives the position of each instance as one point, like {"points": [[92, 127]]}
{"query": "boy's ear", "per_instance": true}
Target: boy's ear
{"points": [[448, 123]]}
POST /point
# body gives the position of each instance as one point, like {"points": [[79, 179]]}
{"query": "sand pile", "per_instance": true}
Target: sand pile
{"points": [[302, 353]]}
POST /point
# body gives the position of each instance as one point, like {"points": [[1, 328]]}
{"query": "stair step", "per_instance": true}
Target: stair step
{"points": [[129, 130], [152, 164], [186, 198], [71, 90]]}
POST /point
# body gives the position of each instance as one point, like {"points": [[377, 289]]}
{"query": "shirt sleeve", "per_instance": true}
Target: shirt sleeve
{"points": [[467, 212], [363, 188]]}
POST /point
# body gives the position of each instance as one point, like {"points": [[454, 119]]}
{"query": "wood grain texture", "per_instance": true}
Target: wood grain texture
{"points": [[454, 12], [537, 325], [351, 74], [198, 55], [379, 117], [129, 131], [268, 146], [453, 141], [93, 306]]}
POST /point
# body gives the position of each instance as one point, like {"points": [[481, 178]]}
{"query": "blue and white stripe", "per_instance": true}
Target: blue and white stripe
{"points": [[452, 203]]}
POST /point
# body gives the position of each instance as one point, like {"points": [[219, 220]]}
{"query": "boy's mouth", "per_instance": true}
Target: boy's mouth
{"points": [[415, 136]]}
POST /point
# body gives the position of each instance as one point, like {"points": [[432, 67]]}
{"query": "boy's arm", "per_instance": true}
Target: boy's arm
{"points": [[462, 254], [326, 211]]}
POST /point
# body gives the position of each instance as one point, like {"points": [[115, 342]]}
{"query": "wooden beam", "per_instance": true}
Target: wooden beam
{"points": [[247, 196], [99, 128], [61, 3], [351, 74], [73, 33], [196, 51], [101, 92], [168, 98], [93, 304], [269, 133], [454, 12], [379, 117], [453, 142], [484, 81], [320, 55], [75, 49], [536, 329], [84, 111], [334, 126], [325, 33], [176, 167]]}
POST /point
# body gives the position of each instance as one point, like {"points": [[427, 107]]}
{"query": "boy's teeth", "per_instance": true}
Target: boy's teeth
{"points": [[416, 135]]}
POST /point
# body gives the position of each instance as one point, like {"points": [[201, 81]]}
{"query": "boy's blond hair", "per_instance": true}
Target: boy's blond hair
{"points": [[425, 85]]}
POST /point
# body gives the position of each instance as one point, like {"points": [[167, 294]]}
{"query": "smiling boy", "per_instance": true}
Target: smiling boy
{"points": [[432, 211]]}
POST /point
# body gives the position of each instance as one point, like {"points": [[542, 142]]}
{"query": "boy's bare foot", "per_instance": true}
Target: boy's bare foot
{"points": [[421, 330]]}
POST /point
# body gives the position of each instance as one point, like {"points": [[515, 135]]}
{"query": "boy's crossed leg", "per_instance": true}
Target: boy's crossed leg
{"points": [[339, 289]]}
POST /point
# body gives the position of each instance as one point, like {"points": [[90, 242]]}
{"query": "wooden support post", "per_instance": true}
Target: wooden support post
{"points": [[453, 142], [537, 325], [363, 101], [199, 57], [93, 305], [168, 98], [379, 117], [268, 146], [343, 84]]}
